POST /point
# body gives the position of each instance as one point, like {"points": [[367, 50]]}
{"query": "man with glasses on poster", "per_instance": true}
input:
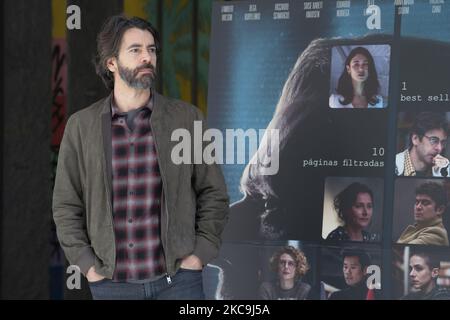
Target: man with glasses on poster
{"points": [[427, 140]]}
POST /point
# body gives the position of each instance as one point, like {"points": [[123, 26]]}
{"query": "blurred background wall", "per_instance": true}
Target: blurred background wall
{"points": [[26, 188]]}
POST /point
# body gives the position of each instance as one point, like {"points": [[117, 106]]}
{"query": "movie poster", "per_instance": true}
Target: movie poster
{"points": [[343, 108]]}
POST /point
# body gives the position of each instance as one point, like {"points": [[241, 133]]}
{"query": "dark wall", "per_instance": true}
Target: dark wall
{"points": [[85, 87], [26, 188]]}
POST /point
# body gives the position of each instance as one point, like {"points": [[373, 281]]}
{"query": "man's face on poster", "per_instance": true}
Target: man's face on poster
{"points": [[425, 208], [353, 271], [430, 145]]}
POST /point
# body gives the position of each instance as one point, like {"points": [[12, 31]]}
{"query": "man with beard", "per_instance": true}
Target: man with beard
{"points": [[431, 202], [427, 140], [138, 225]]}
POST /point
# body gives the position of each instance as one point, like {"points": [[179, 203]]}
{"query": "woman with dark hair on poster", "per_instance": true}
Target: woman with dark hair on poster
{"points": [[358, 84], [354, 206], [423, 272]]}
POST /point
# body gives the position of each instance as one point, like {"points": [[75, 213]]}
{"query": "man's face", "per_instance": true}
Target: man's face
{"points": [[286, 267], [421, 275], [426, 147], [353, 271], [136, 62], [425, 208]]}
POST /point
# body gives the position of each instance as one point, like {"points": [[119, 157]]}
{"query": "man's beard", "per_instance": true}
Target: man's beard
{"points": [[133, 80]]}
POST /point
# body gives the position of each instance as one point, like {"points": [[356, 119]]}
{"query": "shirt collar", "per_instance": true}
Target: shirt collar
{"points": [[116, 112]]}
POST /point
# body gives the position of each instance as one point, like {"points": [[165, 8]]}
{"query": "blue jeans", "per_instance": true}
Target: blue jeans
{"points": [[185, 285]]}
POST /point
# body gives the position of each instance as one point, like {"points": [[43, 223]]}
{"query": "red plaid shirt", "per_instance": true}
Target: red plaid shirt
{"points": [[136, 197]]}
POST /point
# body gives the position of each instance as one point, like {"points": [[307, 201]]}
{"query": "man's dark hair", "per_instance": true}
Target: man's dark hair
{"points": [[431, 260], [426, 121], [110, 38], [371, 85], [363, 257], [435, 191], [347, 197]]}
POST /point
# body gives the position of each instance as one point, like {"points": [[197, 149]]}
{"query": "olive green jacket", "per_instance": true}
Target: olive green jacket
{"points": [[194, 206]]}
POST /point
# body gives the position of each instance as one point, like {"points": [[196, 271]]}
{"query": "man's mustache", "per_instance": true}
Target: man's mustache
{"points": [[146, 66]]}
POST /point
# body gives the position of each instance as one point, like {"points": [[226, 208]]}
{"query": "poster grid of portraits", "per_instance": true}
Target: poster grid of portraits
{"points": [[358, 92]]}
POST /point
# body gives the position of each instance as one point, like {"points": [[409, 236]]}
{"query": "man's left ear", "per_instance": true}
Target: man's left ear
{"points": [[111, 64], [440, 210]]}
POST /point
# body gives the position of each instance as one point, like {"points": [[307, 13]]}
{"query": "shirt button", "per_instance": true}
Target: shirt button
{"points": [[131, 245], [130, 220]]}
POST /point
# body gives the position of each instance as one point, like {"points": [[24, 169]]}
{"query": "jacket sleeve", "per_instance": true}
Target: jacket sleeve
{"points": [[68, 205], [431, 236], [212, 206]]}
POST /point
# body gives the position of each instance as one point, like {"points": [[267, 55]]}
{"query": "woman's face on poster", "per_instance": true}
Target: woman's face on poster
{"points": [[358, 69], [286, 267], [360, 214], [420, 273]]}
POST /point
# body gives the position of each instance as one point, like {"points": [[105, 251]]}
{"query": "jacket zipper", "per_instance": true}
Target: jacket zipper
{"points": [[110, 208], [169, 280]]}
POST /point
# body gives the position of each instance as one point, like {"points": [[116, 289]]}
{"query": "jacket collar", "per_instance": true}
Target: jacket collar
{"points": [[429, 223], [158, 102]]}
